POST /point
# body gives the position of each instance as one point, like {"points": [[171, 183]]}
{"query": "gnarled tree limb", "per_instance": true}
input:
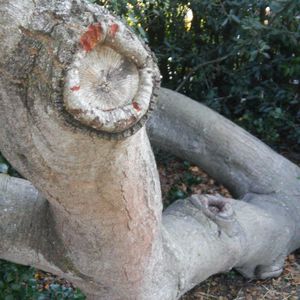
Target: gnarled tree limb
{"points": [[79, 138], [227, 152], [28, 233], [197, 244]]}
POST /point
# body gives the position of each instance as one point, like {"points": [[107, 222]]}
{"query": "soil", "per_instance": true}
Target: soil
{"points": [[233, 286]]}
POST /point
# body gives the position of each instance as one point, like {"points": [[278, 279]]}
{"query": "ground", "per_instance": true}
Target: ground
{"points": [[233, 286]]}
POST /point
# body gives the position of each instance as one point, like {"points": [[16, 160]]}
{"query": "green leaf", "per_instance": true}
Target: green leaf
{"points": [[4, 168], [55, 287], [15, 286], [42, 297], [9, 277], [78, 295], [225, 22], [266, 55], [235, 19], [32, 281]]}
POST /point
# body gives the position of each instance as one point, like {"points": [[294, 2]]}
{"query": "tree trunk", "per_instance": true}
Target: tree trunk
{"points": [[76, 87], [76, 84]]}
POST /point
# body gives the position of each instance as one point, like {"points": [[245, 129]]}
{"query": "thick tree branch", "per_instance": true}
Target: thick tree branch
{"points": [[264, 227], [256, 242], [28, 233], [202, 236], [25, 229], [227, 152]]}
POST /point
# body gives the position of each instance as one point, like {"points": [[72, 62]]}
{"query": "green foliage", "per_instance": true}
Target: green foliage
{"points": [[182, 187], [232, 274], [190, 179], [176, 193], [19, 283], [6, 168], [241, 58]]}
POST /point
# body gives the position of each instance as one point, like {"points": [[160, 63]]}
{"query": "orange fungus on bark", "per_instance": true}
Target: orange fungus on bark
{"points": [[91, 37], [136, 106], [114, 29], [75, 88]]}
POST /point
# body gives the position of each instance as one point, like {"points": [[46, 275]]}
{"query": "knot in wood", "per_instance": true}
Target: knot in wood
{"points": [[110, 83], [219, 210]]}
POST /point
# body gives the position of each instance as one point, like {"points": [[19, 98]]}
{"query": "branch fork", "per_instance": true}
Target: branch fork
{"points": [[219, 210]]}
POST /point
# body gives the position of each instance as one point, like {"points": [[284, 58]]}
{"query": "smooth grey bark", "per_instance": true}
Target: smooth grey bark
{"points": [[27, 226], [251, 170], [227, 152], [102, 225]]}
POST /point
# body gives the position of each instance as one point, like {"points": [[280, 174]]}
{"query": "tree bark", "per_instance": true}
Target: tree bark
{"points": [[76, 87], [227, 152], [251, 170]]}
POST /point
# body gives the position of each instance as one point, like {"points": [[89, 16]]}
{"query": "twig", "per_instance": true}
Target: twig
{"points": [[279, 13], [207, 295], [238, 296], [200, 66]]}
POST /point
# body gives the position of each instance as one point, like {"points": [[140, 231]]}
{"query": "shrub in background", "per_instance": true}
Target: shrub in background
{"points": [[23, 283]]}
